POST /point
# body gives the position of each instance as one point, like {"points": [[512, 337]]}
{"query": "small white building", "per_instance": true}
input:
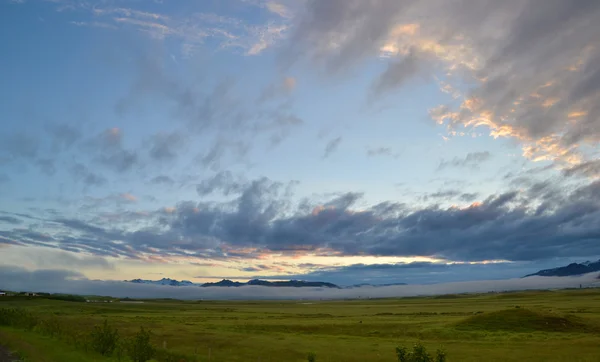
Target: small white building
{"points": [[2, 294]]}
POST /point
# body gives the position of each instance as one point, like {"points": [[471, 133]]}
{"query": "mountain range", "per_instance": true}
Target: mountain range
{"points": [[569, 270], [563, 271], [230, 283]]}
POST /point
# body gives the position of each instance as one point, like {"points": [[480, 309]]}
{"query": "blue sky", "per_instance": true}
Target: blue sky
{"points": [[244, 138]]}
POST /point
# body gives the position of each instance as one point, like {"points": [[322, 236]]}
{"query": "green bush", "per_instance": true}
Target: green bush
{"points": [[104, 339], [312, 357], [419, 354], [139, 348]]}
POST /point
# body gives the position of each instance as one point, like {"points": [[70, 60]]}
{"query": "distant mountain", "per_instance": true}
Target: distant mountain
{"points": [[291, 283], [223, 283], [230, 283], [163, 281], [569, 270]]}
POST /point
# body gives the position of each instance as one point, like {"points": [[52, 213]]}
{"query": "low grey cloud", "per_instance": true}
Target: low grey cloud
{"points": [[472, 160], [64, 281]]}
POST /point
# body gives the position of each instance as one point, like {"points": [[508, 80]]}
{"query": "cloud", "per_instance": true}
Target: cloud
{"points": [[89, 178], [587, 169], [164, 146], [64, 136], [191, 29], [94, 24], [162, 179], [266, 37], [52, 259], [281, 88], [382, 151], [398, 73], [533, 223], [108, 149], [19, 146], [10, 220], [223, 181], [532, 68], [219, 113], [46, 166], [473, 160], [278, 8], [128, 197], [222, 147], [450, 194], [64, 281], [332, 146]]}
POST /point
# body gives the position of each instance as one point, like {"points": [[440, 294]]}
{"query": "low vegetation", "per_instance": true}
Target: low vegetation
{"points": [[419, 354], [525, 326]]}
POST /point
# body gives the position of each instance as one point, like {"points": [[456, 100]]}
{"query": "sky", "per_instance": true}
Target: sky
{"points": [[348, 141]]}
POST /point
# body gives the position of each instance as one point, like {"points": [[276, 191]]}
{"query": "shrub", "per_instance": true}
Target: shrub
{"points": [[140, 349], [419, 354], [312, 357], [164, 355], [17, 318], [104, 339], [50, 327]]}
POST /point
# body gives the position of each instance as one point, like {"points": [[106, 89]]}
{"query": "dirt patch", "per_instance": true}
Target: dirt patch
{"points": [[525, 320], [6, 356]]}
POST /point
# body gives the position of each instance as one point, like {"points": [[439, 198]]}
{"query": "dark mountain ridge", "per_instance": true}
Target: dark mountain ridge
{"points": [[569, 270], [230, 283]]}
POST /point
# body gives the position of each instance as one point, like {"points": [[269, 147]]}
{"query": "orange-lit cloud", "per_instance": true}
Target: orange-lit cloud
{"points": [[129, 197]]}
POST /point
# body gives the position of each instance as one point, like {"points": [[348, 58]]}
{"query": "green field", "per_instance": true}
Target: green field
{"points": [[525, 326]]}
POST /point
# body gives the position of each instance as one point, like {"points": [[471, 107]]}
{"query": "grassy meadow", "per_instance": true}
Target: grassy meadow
{"points": [[524, 326]]}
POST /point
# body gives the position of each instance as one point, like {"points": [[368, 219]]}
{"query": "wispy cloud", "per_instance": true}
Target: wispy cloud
{"points": [[191, 30], [472, 160], [332, 146]]}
